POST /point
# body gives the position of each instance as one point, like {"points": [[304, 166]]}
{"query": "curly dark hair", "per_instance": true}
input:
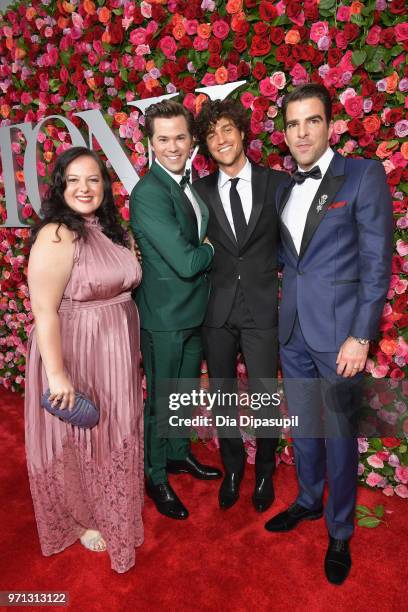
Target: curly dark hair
{"points": [[54, 209], [214, 110]]}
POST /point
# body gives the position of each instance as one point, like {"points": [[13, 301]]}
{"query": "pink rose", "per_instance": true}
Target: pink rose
{"points": [[401, 490], [402, 248], [319, 29], [278, 79], [190, 26], [334, 78], [299, 75], [354, 106], [168, 46], [388, 491], [373, 36], [401, 474], [346, 64], [401, 32], [343, 13], [375, 461], [247, 99], [340, 126], [220, 29], [380, 371], [200, 44], [138, 36], [208, 79], [373, 479], [268, 89]]}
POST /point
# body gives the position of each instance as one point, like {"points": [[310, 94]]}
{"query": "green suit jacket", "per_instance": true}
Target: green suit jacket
{"points": [[174, 290]]}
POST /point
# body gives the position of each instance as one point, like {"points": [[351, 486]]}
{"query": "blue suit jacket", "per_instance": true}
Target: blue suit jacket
{"points": [[338, 283]]}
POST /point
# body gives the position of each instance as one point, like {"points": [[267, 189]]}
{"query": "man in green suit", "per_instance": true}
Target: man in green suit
{"points": [[169, 222]]}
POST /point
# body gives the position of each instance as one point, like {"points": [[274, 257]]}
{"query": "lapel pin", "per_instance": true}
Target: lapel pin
{"points": [[321, 203]]}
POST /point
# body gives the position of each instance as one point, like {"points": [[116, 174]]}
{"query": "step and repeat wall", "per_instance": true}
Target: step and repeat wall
{"points": [[83, 72]]}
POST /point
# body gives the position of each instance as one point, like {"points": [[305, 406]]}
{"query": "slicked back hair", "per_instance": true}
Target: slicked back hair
{"points": [[304, 92], [165, 110]]}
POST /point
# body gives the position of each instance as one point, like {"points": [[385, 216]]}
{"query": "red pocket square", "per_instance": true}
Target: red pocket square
{"points": [[337, 205]]}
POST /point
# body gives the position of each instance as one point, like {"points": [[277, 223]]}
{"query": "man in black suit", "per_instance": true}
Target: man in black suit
{"points": [[242, 310]]}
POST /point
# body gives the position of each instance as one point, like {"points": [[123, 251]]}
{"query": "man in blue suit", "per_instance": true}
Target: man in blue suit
{"points": [[336, 247]]}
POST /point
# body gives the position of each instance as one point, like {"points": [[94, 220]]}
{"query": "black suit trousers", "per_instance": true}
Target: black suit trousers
{"points": [[260, 349]]}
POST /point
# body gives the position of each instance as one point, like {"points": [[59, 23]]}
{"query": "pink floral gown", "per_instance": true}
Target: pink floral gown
{"points": [[82, 478]]}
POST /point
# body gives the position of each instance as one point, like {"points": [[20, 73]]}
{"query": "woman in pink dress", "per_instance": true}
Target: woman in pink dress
{"points": [[86, 484]]}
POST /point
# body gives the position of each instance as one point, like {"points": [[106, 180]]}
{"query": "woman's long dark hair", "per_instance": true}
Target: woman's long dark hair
{"points": [[54, 209]]}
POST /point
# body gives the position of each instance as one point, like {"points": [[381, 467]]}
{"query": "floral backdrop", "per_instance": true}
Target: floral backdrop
{"points": [[62, 57]]}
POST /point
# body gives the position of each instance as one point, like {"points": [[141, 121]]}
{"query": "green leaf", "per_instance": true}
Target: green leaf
{"points": [[379, 511], [357, 19], [359, 57], [369, 521], [124, 75], [363, 509], [376, 444], [327, 5]]}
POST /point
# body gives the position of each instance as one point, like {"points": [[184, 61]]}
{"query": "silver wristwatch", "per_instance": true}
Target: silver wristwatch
{"points": [[362, 341]]}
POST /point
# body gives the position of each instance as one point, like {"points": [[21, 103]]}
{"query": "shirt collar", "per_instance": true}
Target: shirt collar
{"points": [[324, 161], [244, 174], [175, 177]]}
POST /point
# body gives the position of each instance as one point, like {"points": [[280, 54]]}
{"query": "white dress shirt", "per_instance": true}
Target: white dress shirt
{"points": [[244, 188], [297, 207], [188, 192]]}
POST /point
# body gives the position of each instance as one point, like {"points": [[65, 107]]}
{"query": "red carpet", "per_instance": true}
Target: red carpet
{"points": [[213, 560]]}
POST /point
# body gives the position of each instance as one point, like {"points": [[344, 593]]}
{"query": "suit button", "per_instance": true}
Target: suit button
{"points": [[300, 273], [240, 258]]}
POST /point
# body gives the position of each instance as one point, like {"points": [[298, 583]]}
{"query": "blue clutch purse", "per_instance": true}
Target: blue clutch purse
{"points": [[84, 413]]}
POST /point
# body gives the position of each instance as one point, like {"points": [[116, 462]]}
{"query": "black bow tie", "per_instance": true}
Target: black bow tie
{"points": [[185, 180], [300, 177]]}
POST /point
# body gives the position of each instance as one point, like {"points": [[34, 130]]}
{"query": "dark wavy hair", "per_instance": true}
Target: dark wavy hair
{"points": [[214, 110], [54, 208]]}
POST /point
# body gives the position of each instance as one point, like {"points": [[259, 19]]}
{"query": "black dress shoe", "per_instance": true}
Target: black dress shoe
{"points": [[264, 493], [338, 561], [191, 465], [287, 520], [229, 490], [166, 500]]}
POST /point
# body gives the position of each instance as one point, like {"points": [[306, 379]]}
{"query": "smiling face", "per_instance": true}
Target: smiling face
{"points": [[171, 142], [84, 185], [225, 144], [307, 133]]}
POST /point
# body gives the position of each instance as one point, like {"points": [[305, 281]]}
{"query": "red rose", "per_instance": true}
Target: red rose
{"points": [[372, 124], [259, 71], [261, 29], [334, 56], [240, 43], [391, 442], [214, 61], [259, 46], [378, 100], [244, 69], [354, 106], [311, 11], [351, 31], [398, 7], [189, 84], [282, 53], [368, 88], [393, 115], [274, 159], [251, 3], [185, 42], [258, 115], [366, 140], [277, 35], [355, 128], [387, 38], [293, 9], [254, 154], [261, 103], [267, 11], [214, 45], [394, 177]]}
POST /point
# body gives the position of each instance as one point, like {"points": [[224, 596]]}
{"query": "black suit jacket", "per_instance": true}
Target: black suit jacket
{"points": [[256, 263]]}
